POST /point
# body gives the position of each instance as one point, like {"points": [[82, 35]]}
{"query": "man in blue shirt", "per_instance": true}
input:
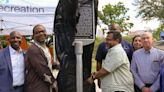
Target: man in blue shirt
{"points": [[145, 65]]}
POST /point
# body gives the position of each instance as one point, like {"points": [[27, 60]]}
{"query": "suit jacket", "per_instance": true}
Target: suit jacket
{"points": [[162, 78], [37, 66], [6, 76]]}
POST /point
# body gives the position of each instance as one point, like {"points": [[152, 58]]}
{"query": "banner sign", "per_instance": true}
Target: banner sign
{"points": [[10, 10], [23, 15]]}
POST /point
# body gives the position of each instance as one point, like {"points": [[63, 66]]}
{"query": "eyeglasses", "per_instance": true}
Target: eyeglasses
{"points": [[38, 32]]}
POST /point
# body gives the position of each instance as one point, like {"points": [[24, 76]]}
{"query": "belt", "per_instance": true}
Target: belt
{"points": [[147, 85], [16, 87]]}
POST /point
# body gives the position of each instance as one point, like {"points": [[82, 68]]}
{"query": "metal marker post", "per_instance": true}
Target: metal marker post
{"points": [[79, 65]]}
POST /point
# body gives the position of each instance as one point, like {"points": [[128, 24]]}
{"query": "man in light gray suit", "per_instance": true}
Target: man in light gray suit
{"points": [[12, 65]]}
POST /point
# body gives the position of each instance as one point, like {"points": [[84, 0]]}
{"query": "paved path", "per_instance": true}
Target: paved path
{"points": [[55, 72]]}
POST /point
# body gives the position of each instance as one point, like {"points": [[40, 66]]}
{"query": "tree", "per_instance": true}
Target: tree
{"points": [[156, 34], [3, 42], [115, 14], [150, 9]]}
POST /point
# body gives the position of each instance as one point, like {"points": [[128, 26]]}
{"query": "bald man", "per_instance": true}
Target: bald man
{"points": [[12, 65], [145, 65], [115, 27], [39, 77]]}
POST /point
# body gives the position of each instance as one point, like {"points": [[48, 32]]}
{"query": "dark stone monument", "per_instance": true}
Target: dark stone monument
{"points": [[74, 21]]}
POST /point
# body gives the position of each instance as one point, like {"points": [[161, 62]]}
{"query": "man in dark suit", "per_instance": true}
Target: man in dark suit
{"points": [[38, 60], [12, 65]]}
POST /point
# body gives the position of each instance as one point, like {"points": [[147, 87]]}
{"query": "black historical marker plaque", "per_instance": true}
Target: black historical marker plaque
{"points": [[85, 27]]}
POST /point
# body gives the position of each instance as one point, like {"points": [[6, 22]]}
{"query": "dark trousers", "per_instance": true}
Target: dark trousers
{"points": [[139, 90]]}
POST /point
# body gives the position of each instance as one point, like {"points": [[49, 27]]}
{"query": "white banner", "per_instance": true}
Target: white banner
{"points": [[10, 10], [22, 15]]}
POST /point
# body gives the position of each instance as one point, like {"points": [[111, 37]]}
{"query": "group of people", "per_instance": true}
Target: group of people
{"points": [[121, 67], [124, 67], [27, 71]]}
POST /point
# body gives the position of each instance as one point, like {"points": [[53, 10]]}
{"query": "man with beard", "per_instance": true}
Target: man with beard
{"points": [[12, 65], [39, 77], [115, 73], [102, 50]]}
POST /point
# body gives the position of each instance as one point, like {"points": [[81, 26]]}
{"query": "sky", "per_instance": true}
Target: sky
{"points": [[139, 24], [36, 2]]}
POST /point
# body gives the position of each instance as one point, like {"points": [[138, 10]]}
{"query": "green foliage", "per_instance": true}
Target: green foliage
{"points": [[96, 44], [115, 14], [128, 38], [98, 40], [156, 34], [3, 42], [150, 9]]}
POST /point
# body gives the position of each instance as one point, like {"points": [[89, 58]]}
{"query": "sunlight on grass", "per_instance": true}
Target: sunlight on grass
{"points": [[93, 65]]}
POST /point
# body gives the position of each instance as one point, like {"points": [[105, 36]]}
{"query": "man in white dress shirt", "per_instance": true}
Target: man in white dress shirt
{"points": [[12, 65]]}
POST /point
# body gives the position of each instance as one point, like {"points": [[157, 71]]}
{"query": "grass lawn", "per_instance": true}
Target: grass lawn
{"points": [[93, 65]]}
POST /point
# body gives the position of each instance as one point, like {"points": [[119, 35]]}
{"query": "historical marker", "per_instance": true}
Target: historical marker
{"points": [[86, 27]]}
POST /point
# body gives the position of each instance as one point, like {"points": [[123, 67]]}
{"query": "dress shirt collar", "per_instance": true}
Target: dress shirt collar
{"points": [[40, 46], [115, 47], [13, 51], [149, 51]]}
